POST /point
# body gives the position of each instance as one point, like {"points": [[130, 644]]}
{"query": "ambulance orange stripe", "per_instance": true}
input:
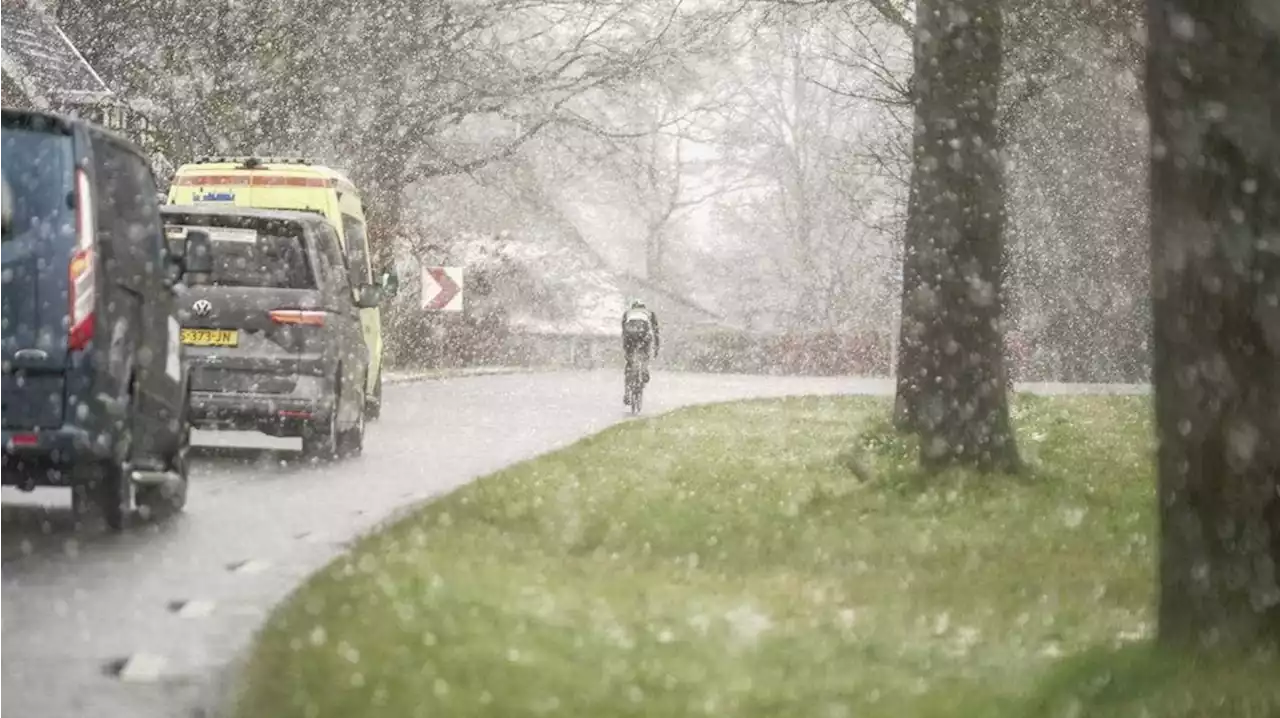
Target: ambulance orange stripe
{"points": [[202, 180], [278, 181], [252, 180]]}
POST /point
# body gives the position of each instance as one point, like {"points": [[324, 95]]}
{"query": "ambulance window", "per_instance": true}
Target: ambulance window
{"points": [[330, 256], [357, 250]]}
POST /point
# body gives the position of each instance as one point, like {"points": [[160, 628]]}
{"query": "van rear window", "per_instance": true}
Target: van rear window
{"points": [[268, 255], [38, 178]]}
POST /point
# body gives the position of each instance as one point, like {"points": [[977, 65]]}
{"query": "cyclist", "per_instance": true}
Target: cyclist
{"points": [[639, 332]]}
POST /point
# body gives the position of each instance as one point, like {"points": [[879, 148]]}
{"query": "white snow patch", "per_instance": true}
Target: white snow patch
{"points": [[196, 609], [1073, 517], [847, 617], [748, 623], [143, 668], [252, 566], [1052, 650]]}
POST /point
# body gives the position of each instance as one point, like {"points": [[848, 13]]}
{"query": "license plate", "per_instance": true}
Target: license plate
{"points": [[210, 337]]}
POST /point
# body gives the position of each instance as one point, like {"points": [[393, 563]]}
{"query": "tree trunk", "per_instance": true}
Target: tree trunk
{"points": [[383, 181], [653, 251], [382, 208], [1214, 101], [910, 368], [957, 389]]}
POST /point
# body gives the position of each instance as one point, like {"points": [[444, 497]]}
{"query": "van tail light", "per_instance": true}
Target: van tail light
{"points": [[303, 317], [82, 299], [83, 277]]}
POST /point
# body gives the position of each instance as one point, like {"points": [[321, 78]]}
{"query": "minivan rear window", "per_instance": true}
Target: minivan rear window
{"points": [[278, 261], [268, 255], [39, 174]]}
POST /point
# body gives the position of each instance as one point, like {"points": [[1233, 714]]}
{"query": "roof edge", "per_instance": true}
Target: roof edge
{"points": [[53, 21]]}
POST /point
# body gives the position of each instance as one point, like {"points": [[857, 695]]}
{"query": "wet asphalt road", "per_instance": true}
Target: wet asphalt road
{"points": [[175, 604]]}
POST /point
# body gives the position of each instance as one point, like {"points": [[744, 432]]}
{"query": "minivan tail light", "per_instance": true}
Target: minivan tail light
{"points": [[82, 285], [298, 316]]}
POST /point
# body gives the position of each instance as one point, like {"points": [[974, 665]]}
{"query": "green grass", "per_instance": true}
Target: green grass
{"points": [[745, 559], [1140, 681]]}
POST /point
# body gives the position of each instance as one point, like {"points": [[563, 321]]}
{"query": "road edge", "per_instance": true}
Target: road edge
{"points": [[412, 376]]}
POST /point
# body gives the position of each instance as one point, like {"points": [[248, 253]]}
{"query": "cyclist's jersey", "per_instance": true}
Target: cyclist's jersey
{"points": [[637, 323]]}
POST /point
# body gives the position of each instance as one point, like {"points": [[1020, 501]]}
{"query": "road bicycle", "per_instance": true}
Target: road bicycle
{"points": [[635, 386]]}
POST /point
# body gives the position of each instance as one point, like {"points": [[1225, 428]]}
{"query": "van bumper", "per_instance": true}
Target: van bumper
{"points": [[45, 457]]}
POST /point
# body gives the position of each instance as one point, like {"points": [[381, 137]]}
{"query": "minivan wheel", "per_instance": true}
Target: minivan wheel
{"points": [[351, 441], [320, 439]]}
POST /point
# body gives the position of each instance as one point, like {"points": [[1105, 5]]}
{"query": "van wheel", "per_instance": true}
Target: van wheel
{"points": [[104, 488], [82, 502], [160, 502], [373, 403], [112, 492]]}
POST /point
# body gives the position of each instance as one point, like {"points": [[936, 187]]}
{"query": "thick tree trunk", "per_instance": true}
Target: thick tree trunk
{"points": [[957, 397], [1213, 93], [910, 369]]}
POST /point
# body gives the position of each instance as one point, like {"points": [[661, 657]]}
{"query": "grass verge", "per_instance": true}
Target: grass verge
{"points": [[737, 559], [1142, 681]]}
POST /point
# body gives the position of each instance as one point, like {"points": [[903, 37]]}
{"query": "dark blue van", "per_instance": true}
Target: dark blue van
{"points": [[95, 395]]}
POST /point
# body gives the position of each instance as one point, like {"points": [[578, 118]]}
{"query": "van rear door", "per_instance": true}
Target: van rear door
{"points": [[39, 174]]}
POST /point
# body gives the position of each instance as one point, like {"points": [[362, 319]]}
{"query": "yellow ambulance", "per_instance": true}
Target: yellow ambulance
{"points": [[295, 183]]}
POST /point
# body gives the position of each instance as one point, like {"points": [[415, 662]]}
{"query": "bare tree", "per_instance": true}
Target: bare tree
{"points": [[470, 84], [655, 173], [394, 93], [1214, 105], [806, 222]]}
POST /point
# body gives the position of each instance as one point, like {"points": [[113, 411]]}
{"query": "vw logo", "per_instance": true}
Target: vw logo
{"points": [[202, 308]]}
